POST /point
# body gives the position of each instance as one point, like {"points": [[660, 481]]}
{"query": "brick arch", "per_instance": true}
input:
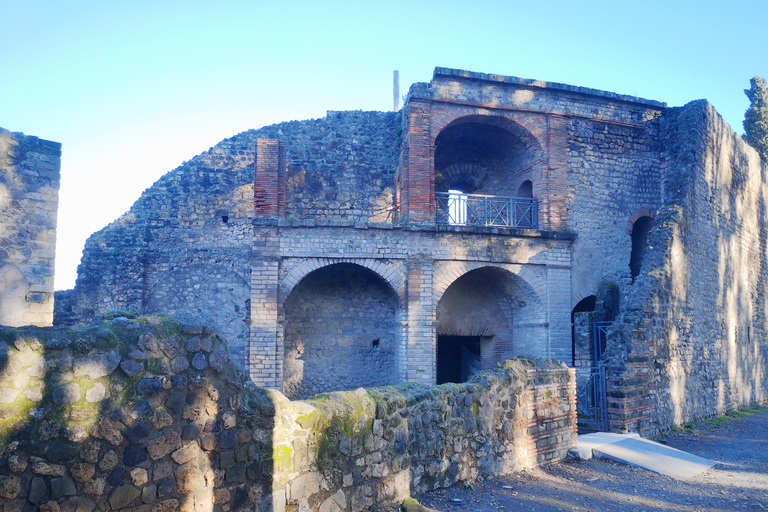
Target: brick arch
{"points": [[393, 273], [530, 128], [643, 212], [448, 272]]}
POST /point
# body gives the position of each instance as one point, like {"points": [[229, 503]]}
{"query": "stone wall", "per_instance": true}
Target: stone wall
{"points": [[690, 340], [151, 415], [356, 190], [29, 200], [614, 171], [340, 331], [185, 245]]}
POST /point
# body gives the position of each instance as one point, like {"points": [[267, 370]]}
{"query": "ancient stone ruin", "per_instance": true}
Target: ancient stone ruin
{"points": [[29, 198], [151, 415], [493, 216]]}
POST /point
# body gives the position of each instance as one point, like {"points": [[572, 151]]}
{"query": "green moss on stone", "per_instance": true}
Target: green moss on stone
{"points": [[283, 458]]}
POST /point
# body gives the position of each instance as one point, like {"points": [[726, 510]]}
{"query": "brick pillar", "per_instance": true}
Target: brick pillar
{"points": [[265, 357], [559, 304], [420, 341], [557, 178], [269, 178], [417, 177]]}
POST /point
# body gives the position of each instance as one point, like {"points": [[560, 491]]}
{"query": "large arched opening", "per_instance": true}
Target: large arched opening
{"points": [[478, 158], [484, 317], [340, 331]]}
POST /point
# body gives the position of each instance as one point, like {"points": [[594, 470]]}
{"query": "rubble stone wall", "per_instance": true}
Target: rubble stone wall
{"points": [[690, 341], [29, 201], [151, 415]]}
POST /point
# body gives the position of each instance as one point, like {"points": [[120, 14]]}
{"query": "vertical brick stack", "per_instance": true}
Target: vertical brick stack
{"points": [[269, 178], [265, 354], [416, 175]]}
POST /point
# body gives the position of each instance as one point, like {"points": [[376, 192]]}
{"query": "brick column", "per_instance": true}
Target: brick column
{"points": [[559, 304], [417, 180], [265, 357], [269, 178], [557, 177], [420, 340]]}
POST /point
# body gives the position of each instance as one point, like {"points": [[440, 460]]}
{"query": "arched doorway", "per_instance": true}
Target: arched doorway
{"points": [[484, 317], [340, 331]]}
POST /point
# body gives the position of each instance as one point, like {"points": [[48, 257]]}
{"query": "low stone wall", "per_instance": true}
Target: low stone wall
{"points": [[151, 415]]}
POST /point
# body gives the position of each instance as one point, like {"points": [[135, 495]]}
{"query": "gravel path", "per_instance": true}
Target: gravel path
{"points": [[738, 482]]}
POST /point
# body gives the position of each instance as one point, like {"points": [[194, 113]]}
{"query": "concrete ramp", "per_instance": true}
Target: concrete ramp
{"points": [[633, 450]]}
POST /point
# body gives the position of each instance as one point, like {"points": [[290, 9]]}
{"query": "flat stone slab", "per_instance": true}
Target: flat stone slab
{"points": [[633, 450]]}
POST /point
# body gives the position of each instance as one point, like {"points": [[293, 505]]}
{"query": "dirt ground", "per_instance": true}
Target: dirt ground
{"points": [[738, 482]]}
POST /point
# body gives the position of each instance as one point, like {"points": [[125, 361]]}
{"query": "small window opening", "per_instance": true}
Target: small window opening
{"points": [[225, 218], [639, 240], [525, 189], [375, 343]]}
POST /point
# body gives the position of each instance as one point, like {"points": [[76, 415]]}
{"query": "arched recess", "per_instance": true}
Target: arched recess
{"points": [[486, 154], [340, 331], [638, 230], [201, 289], [582, 320], [484, 317], [295, 269]]}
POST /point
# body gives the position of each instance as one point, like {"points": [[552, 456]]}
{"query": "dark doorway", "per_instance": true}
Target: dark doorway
{"points": [[458, 358]]}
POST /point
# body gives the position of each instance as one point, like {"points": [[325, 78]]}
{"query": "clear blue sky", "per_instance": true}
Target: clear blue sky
{"points": [[131, 89]]}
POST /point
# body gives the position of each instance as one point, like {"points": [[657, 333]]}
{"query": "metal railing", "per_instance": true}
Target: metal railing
{"points": [[459, 209]]}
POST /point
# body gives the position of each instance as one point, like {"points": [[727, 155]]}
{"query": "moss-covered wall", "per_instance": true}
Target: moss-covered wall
{"points": [[151, 415]]}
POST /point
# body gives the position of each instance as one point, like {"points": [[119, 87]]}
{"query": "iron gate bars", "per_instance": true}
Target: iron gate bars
{"points": [[592, 402], [458, 209]]}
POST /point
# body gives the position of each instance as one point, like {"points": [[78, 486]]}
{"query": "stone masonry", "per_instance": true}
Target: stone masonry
{"points": [[29, 199], [151, 415], [321, 250]]}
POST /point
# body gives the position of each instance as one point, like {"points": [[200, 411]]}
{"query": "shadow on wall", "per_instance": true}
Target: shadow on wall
{"points": [[127, 413], [151, 412], [697, 309], [13, 289], [199, 289]]}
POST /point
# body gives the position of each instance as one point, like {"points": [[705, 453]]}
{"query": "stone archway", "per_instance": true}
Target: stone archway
{"points": [[486, 155], [340, 331], [486, 316]]}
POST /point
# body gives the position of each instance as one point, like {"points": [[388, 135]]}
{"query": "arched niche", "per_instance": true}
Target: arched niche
{"points": [[484, 317], [340, 331], [484, 155]]}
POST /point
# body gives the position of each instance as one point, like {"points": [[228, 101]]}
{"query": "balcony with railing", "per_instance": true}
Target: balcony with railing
{"points": [[458, 209]]}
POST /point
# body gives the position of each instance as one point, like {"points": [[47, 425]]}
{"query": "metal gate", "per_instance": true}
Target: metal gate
{"points": [[591, 401], [591, 397]]}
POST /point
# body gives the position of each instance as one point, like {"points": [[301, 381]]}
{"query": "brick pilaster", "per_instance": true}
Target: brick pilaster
{"points": [[557, 176], [417, 180], [265, 358], [269, 178], [420, 349]]}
